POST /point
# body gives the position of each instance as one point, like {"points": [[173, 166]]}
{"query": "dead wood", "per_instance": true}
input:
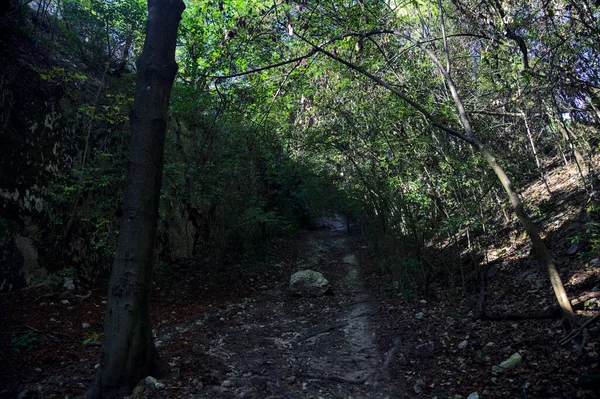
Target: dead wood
{"points": [[321, 331], [585, 297], [552, 314], [332, 378], [573, 334]]}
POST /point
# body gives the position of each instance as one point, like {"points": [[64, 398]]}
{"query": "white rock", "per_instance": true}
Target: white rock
{"points": [[309, 283], [420, 315], [85, 326], [473, 395], [65, 302], [463, 344], [68, 284], [512, 361], [419, 384]]}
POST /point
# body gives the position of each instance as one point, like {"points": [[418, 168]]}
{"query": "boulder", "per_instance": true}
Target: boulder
{"points": [[309, 283]]}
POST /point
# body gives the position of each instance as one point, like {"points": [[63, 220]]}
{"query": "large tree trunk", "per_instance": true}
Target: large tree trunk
{"points": [[128, 353]]}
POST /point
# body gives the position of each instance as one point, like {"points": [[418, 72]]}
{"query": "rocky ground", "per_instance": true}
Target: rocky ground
{"points": [[254, 339]]}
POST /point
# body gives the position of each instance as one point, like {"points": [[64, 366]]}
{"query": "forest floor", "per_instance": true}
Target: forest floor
{"points": [[246, 336]]}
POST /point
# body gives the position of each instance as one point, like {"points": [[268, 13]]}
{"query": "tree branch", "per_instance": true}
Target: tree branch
{"points": [[391, 88], [235, 75]]}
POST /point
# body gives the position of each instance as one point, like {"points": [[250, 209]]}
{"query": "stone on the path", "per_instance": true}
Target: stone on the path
{"points": [[573, 249], [68, 284], [309, 283], [85, 326], [463, 344], [420, 315], [473, 395], [419, 385], [511, 362]]}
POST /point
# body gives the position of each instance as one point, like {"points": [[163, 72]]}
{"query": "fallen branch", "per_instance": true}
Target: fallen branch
{"points": [[82, 298], [552, 314], [389, 355], [332, 378], [51, 333], [585, 297], [573, 334], [321, 331]]}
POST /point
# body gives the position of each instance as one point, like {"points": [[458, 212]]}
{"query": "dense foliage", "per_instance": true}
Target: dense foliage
{"points": [[274, 123]]}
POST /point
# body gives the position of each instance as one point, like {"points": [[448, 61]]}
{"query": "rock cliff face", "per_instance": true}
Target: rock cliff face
{"points": [[42, 142], [64, 132]]}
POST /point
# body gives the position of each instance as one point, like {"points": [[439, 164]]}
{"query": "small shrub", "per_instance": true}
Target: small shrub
{"points": [[92, 338], [25, 343]]}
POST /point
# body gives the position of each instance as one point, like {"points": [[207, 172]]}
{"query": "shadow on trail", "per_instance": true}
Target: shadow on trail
{"points": [[273, 344]]}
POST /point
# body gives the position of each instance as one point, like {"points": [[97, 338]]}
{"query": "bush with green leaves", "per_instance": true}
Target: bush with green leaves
{"points": [[24, 343]]}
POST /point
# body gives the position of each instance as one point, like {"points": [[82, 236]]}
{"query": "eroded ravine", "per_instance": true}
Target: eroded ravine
{"points": [[273, 344]]}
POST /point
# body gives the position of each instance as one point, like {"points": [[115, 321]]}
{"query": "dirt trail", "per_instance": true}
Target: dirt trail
{"points": [[272, 344]]}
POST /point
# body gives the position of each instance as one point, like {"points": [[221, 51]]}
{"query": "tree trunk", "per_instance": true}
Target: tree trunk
{"points": [[532, 231], [128, 352], [535, 154]]}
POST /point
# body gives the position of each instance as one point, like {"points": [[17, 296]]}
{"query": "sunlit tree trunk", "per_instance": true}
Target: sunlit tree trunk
{"points": [[128, 352], [515, 201]]}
